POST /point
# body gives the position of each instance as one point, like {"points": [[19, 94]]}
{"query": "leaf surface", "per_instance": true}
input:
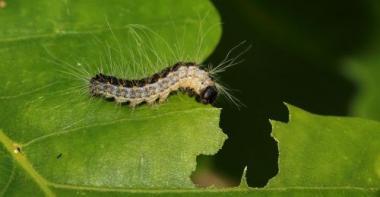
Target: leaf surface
{"points": [[336, 156], [55, 137]]}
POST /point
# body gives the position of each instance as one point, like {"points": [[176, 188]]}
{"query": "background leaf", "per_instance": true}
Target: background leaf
{"points": [[330, 155], [70, 141], [300, 53], [364, 69]]}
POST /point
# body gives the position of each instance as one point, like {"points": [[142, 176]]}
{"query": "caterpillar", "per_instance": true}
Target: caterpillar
{"points": [[112, 80], [188, 77]]}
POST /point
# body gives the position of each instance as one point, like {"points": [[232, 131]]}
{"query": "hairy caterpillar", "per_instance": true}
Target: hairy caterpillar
{"points": [[113, 80], [182, 76]]}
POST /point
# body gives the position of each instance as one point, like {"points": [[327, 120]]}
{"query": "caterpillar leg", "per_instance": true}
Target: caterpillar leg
{"points": [[163, 96]]}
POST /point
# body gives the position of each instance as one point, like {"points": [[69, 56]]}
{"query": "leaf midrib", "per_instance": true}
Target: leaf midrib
{"points": [[25, 164]]}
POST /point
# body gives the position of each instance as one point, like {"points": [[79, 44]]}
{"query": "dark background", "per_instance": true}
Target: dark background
{"points": [[295, 57]]}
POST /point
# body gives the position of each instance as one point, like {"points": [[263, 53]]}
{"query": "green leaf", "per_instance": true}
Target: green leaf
{"points": [[364, 69], [337, 156], [56, 139], [319, 155]]}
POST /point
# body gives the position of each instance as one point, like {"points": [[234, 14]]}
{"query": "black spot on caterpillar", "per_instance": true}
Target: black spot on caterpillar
{"points": [[188, 77], [59, 156]]}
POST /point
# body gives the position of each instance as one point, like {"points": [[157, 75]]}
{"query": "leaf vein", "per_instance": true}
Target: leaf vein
{"points": [[2, 193], [90, 30], [57, 133], [27, 93]]}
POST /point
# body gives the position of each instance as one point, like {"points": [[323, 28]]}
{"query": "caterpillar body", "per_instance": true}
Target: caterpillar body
{"points": [[98, 78], [188, 77]]}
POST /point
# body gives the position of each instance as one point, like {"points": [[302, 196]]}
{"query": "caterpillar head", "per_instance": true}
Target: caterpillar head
{"points": [[208, 95]]}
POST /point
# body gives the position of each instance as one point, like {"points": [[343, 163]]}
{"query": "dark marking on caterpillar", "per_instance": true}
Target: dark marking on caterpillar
{"points": [[187, 77], [59, 156]]}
